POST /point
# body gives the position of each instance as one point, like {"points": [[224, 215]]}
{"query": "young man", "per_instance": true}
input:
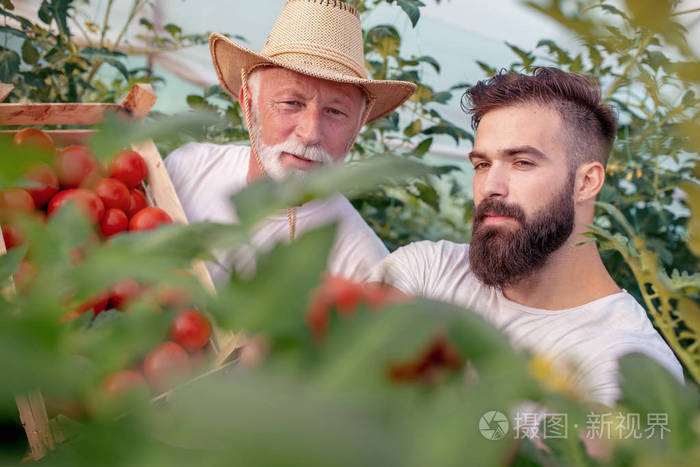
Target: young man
{"points": [[541, 146], [305, 97]]}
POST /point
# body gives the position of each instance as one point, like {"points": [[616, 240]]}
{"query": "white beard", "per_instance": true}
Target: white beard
{"points": [[269, 156]]}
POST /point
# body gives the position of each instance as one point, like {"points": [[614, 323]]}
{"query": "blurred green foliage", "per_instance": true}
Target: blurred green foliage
{"points": [[332, 402]]}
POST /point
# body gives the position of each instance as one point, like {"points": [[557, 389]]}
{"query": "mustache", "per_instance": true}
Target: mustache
{"points": [[313, 153], [498, 207]]}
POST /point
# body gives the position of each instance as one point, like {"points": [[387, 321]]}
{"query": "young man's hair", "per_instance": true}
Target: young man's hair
{"points": [[590, 124]]}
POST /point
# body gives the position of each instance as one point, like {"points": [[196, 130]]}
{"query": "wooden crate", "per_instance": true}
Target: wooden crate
{"points": [[42, 432]]}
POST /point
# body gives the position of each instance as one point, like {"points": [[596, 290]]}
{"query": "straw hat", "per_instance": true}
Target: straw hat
{"points": [[319, 38]]}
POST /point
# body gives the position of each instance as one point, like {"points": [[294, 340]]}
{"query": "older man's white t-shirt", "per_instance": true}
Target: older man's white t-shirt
{"points": [[205, 177], [588, 339]]}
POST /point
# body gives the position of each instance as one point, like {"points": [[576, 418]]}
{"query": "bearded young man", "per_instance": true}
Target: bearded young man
{"points": [[541, 145], [305, 97]]}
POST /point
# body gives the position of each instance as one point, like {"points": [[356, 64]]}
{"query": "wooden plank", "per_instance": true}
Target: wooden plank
{"points": [[36, 447], [41, 418], [5, 90], [140, 100], [55, 114], [9, 290], [64, 137]]}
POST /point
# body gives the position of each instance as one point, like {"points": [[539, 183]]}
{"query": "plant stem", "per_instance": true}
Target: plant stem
{"points": [[105, 23], [640, 48], [685, 12]]}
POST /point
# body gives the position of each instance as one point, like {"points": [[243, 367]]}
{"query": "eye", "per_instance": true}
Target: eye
{"points": [[480, 165], [525, 164], [335, 112]]}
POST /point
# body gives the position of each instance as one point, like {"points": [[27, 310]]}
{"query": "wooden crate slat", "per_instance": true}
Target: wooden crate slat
{"points": [[55, 114], [163, 192], [5, 90]]}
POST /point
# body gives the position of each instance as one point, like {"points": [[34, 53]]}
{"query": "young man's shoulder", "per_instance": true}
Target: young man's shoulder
{"points": [[433, 270]]}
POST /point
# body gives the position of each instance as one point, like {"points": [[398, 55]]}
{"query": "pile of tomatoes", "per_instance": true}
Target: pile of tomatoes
{"points": [[112, 198]]}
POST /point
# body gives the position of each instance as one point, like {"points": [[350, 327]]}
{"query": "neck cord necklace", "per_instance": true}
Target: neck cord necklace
{"points": [[291, 212]]}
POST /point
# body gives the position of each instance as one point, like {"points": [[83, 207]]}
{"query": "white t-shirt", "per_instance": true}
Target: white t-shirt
{"points": [[206, 175], [589, 338]]}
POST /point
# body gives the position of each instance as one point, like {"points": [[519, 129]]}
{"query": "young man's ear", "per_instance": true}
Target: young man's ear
{"points": [[589, 181]]}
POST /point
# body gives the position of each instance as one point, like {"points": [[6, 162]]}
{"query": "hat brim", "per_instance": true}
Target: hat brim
{"points": [[230, 58]]}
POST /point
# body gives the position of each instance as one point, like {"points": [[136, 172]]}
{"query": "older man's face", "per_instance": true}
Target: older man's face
{"points": [[300, 122]]}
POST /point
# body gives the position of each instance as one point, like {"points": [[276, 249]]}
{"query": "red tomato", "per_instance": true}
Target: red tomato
{"points": [[34, 137], [113, 193], [166, 365], [76, 166], [123, 382], [129, 167], [15, 201], [137, 201], [44, 175], [113, 222], [123, 292], [87, 201], [149, 218], [13, 235], [97, 303], [191, 329]]}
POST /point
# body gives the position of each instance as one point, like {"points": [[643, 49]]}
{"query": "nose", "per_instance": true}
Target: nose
{"points": [[308, 128], [494, 183]]}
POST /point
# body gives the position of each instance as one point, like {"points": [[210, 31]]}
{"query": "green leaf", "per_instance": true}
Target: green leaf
{"points": [[257, 201], [411, 8], [9, 262], [173, 29], [147, 24], [413, 128], [9, 65], [662, 394], [454, 132], [116, 133], [423, 147], [285, 295], [430, 60], [29, 53], [428, 195], [45, 12]]}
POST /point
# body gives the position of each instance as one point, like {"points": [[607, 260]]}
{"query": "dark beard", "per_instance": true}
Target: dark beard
{"points": [[502, 256]]}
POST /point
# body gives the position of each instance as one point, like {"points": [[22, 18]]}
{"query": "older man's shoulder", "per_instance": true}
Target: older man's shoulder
{"points": [[207, 153]]}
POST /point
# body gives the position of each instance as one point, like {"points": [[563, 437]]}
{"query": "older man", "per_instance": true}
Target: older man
{"points": [[542, 143], [305, 97]]}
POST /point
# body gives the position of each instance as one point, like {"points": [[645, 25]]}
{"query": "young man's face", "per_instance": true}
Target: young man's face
{"points": [[523, 192], [303, 122]]}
